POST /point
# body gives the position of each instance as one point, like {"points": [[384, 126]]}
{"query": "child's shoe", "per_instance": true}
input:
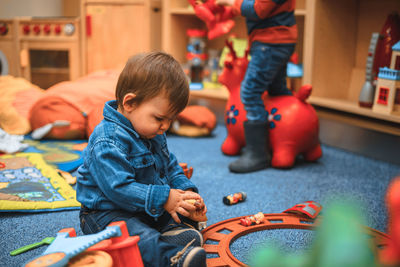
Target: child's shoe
{"points": [[182, 236], [190, 256]]}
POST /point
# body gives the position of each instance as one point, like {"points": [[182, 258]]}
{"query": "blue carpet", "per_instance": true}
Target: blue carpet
{"points": [[336, 175]]}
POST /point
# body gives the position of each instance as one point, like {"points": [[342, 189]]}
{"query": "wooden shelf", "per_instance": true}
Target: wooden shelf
{"points": [[351, 107], [50, 70], [216, 93], [300, 12], [182, 11], [333, 54]]}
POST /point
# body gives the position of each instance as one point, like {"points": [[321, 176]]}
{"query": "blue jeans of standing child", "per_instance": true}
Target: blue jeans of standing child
{"points": [[154, 252], [266, 72]]}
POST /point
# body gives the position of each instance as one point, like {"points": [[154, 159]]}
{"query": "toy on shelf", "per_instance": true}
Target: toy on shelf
{"points": [[293, 123], [294, 72], [387, 93], [235, 198], [217, 18], [253, 219], [114, 240], [294, 68], [366, 98], [389, 35], [212, 68], [196, 57]]}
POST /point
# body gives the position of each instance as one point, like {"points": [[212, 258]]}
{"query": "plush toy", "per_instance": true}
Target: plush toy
{"points": [[17, 97], [78, 103], [194, 121], [217, 18], [293, 123]]}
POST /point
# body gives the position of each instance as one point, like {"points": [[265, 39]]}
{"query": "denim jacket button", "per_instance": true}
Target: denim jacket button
{"points": [[144, 161], [153, 211]]}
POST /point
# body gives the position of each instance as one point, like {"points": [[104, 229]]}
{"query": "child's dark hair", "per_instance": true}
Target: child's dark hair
{"points": [[149, 74]]}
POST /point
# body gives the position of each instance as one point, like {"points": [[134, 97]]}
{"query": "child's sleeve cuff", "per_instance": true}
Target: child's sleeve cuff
{"points": [[156, 197]]}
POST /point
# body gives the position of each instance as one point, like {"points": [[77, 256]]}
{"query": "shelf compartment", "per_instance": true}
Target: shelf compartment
{"points": [[342, 31], [351, 107]]}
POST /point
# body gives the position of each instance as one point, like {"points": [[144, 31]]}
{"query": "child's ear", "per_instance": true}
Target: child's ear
{"points": [[128, 102]]}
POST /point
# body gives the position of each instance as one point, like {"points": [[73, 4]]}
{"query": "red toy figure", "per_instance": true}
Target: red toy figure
{"points": [[391, 254], [293, 123], [217, 18], [253, 219]]}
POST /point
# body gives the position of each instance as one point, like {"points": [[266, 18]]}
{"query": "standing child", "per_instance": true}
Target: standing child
{"points": [[128, 173], [272, 37]]}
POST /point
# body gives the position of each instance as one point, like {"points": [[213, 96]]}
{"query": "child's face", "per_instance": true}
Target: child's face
{"points": [[151, 117]]}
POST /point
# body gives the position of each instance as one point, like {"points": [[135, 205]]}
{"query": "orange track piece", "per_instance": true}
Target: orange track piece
{"points": [[272, 221]]}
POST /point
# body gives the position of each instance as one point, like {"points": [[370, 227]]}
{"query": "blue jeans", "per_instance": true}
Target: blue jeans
{"points": [[154, 252], [266, 72]]}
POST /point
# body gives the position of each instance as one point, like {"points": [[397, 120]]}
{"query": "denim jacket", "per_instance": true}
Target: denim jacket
{"points": [[123, 171]]}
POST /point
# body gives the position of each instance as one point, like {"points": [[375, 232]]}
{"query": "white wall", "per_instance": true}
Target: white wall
{"points": [[34, 8]]}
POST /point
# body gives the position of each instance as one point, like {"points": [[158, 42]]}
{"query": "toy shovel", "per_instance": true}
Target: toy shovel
{"points": [[45, 241]]}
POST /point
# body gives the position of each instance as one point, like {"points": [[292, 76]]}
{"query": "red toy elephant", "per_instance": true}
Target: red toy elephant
{"points": [[293, 123], [217, 18]]}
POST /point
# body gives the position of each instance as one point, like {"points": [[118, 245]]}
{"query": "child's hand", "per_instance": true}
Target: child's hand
{"points": [[225, 2], [176, 203]]}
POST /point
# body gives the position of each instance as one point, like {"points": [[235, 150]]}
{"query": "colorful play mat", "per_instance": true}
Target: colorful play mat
{"points": [[29, 184], [64, 155]]}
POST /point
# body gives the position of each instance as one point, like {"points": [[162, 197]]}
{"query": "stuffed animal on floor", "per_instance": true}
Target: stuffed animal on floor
{"points": [[17, 97], [67, 109], [194, 121], [217, 18], [293, 123]]}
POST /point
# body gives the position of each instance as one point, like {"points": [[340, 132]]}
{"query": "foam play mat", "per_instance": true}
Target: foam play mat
{"points": [[29, 184], [64, 155]]}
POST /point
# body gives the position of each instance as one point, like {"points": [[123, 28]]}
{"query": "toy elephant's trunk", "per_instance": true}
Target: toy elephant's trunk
{"points": [[304, 92]]}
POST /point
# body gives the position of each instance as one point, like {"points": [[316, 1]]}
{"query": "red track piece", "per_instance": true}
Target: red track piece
{"points": [[272, 221]]}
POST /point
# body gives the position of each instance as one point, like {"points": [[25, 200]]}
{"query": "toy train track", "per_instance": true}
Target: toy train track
{"points": [[272, 221]]}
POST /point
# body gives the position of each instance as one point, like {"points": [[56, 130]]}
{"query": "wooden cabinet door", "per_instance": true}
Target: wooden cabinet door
{"points": [[114, 32]]}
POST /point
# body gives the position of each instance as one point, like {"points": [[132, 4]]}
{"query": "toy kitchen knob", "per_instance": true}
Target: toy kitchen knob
{"points": [[36, 29], [26, 29], [3, 29], [47, 29], [69, 29], [57, 29]]}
